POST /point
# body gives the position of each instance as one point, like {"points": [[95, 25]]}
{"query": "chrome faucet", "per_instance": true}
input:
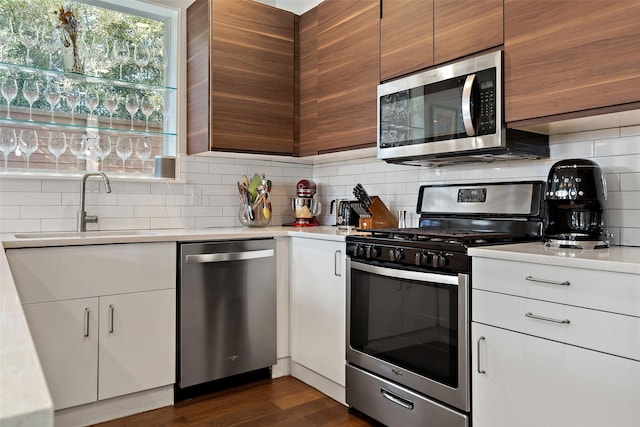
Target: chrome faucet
{"points": [[83, 218]]}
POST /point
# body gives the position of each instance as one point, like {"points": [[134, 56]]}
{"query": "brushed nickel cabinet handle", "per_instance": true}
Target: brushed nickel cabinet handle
{"points": [[480, 370], [336, 263], [86, 321], [110, 318], [547, 319], [550, 282]]}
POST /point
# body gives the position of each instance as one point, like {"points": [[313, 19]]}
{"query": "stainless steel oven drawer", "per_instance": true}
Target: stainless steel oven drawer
{"points": [[397, 406]]}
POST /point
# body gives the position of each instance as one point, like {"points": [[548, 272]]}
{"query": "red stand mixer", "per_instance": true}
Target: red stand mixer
{"points": [[305, 207]]}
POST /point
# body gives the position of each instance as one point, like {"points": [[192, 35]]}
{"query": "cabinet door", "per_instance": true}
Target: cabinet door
{"points": [[318, 299], [464, 27], [246, 65], [308, 63], [406, 37], [348, 73], [570, 56], [137, 342], [65, 334], [532, 382]]}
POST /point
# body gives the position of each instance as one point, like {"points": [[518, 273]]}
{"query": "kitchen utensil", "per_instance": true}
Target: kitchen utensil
{"points": [[380, 215]]}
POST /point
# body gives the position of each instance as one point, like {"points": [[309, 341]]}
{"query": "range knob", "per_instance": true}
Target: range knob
{"points": [[422, 258], [359, 250], [370, 252], [396, 254], [438, 261]]}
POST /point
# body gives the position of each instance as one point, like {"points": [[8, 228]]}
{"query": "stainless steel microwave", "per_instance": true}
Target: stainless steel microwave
{"points": [[449, 114]]}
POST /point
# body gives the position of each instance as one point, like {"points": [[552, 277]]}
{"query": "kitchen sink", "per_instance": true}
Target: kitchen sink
{"points": [[89, 234]]}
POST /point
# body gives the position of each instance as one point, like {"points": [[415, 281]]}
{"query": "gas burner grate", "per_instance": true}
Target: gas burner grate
{"points": [[445, 236]]}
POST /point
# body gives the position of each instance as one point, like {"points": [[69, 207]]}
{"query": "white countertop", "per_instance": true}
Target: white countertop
{"points": [[623, 259], [24, 396]]}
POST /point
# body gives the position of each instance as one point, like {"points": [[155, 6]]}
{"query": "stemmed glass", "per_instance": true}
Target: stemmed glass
{"points": [[103, 149], [31, 92], [57, 144], [52, 95], [6, 34], [51, 43], [143, 150], [141, 56], [147, 107], [72, 97], [132, 104], [99, 55], [28, 141], [111, 104], [28, 35], [9, 89], [123, 149], [120, 53], [8, 143], [78, 147], [91, 100]]}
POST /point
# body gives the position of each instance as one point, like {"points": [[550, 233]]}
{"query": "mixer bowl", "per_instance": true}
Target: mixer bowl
{"points": [[305, 207]]}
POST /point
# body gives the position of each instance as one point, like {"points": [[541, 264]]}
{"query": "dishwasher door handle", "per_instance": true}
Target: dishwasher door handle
{"points": [[228, 256]]}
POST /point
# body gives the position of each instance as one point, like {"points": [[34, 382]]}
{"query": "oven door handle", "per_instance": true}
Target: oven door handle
{"points": [[406, 274]]}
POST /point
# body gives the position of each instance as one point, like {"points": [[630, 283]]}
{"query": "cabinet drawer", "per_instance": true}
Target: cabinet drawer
{"points": [[597, 330], [601, 290]]}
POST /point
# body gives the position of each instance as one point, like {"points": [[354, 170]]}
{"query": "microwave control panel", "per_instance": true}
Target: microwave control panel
{"points": [[487, 102]]}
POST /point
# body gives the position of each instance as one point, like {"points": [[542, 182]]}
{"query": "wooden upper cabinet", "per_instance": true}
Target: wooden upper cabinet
{"points": [[308, 72], [570, 56], [250, 71], [406, 37], [348, 73], [462, 28]]}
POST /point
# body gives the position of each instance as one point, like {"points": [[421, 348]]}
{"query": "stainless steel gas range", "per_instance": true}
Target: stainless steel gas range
{"points": [[408, 307]]}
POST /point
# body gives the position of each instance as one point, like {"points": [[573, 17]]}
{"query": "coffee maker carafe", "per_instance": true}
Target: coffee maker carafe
{"points": [[576, 204]]}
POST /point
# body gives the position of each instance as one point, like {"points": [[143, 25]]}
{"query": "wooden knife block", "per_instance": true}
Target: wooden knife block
{"points": [[380, 215]]}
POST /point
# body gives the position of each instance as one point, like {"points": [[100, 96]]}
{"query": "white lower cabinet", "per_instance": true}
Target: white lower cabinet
{"points": [[102, 317], [528, 381], [318, 312]]}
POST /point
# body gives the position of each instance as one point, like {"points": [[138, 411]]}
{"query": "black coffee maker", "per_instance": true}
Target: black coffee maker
{"points": [[576, 204]]}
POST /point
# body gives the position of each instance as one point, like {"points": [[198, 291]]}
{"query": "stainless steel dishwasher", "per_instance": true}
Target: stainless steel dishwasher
{"points": [[226, 310]]}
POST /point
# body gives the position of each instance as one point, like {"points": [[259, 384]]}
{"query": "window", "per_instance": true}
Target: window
{"points": [[89, 86]]}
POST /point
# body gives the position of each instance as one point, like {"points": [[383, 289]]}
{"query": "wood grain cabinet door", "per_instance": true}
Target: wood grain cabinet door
{"points": [[348, 73], [570, 56], [406, 37], [462, 28], [308, 102]]}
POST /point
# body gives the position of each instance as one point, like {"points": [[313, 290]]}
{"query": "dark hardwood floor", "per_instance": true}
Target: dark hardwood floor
{"points": [[281, 402]]}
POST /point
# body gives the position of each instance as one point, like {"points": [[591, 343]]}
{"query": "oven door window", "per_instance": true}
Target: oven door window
{"points": [[407, 323]]}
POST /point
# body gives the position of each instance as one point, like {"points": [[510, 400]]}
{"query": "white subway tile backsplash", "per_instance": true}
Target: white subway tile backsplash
{"points": [[623, 200], [156, 211], [585, 136], [19, 225], [58, 224], [570, 150], [141, 199], [629, 181], [629, 131], [30, 199], [19, 185], [27, 211], [617, 147]]}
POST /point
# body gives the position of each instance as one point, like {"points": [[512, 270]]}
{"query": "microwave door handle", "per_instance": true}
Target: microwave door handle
{"points": [[467, 118]]}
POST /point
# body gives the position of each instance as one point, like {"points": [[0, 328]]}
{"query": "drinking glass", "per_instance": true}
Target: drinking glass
{"points": [[78, 147], [120, 53], [103, 149], [9, 89], [31, 92], [51, 43], [91, 100], [28, 141], [52, 95], [72, 97], [143, 150], [147, 107], [111, 104], [132, 104], [8, 143], [123, 149], [28, 36], [141, 56], [57, 144], [99, 55], [6, 34]]}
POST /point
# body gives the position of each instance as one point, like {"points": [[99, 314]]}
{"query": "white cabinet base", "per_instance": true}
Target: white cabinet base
{"points": [[320, 383], [122, 406]]}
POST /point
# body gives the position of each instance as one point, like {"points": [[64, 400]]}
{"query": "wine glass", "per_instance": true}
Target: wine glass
{"points": [[57, 144], [51, 43], [91, 99], [123, 149], [103, 149], [9, 89], [72, 97], [147, 107], [132, 104], [31, 92], [28, 36], [120, 53], [111, 104], [28, 141], [6, 34], [8, 143], [141, 56], [143, 150], [99, 55], [52, 95], [78, 147]]}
